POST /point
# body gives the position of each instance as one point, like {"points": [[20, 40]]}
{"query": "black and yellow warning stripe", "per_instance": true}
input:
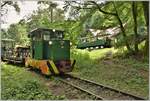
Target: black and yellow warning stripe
{"points": [[52, 67]]}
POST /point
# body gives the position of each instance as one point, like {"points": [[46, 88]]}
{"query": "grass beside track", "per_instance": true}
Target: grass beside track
{"points": [[19, 84], [102, 66], [127, 74]]}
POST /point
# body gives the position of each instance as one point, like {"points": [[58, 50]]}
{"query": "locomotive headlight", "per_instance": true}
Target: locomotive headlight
{"points": [[50, 42], [70, 43]]}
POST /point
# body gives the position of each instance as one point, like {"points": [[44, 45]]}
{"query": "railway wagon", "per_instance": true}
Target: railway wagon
{"points": [[13, 53], [94, 43], [6, 48], [49, 52]]}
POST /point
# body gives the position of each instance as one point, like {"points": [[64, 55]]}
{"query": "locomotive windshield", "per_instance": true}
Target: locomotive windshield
{"points": [[47, 37], [46, 34], [59, 35]]}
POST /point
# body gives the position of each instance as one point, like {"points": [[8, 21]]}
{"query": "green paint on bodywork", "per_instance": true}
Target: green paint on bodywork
{"points": [[58, 50], [101, 42], [91, 44], [38, 50]]}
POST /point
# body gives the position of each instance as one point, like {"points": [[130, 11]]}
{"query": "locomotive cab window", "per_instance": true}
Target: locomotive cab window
{"points": [[38, 37], [46, 37], [100, 38], [59, 35], [84, 40], [33, 38]]}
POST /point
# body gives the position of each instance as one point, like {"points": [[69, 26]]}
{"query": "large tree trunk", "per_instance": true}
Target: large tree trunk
{"points": [[123, 33], [5, 3], [51, 11], [134, 12], [146, 14], [122, 29]]}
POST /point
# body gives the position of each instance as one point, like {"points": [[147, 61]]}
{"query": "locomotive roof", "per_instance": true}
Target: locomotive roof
{"points": [[44, 29], [22, 48], [19, 46], [7, 40]]}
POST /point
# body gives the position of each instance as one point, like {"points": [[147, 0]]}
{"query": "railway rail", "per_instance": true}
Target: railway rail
{"points": [[99, 91]]}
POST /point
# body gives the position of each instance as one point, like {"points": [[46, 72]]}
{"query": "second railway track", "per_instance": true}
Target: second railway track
{"points": [[100, 92]]}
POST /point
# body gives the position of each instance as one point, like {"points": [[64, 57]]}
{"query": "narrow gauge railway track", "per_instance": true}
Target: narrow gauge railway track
{"points": [[99, 91]]}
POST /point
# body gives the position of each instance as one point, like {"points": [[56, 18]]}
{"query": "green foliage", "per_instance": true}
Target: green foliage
{"points": [[42, 17], [125, 13], [83, 19], [82, 60], [93, 18], [124, 73], [99, 20], [18, 84], [4, 33], [18, 32]]}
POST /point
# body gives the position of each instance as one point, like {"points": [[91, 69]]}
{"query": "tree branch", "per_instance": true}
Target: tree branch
{"points": [[114, 14], [81, 3], [78, 7], [4, 4]]}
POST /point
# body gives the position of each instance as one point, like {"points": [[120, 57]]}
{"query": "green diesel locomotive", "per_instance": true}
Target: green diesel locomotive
{"points": [[49, 52]]}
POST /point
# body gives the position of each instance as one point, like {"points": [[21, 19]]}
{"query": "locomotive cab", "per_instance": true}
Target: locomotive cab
{"points": [[48, 48]]}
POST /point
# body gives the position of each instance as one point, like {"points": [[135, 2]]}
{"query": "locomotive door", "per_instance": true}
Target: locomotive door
{"points": [[46, 50], [37, 50]]}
